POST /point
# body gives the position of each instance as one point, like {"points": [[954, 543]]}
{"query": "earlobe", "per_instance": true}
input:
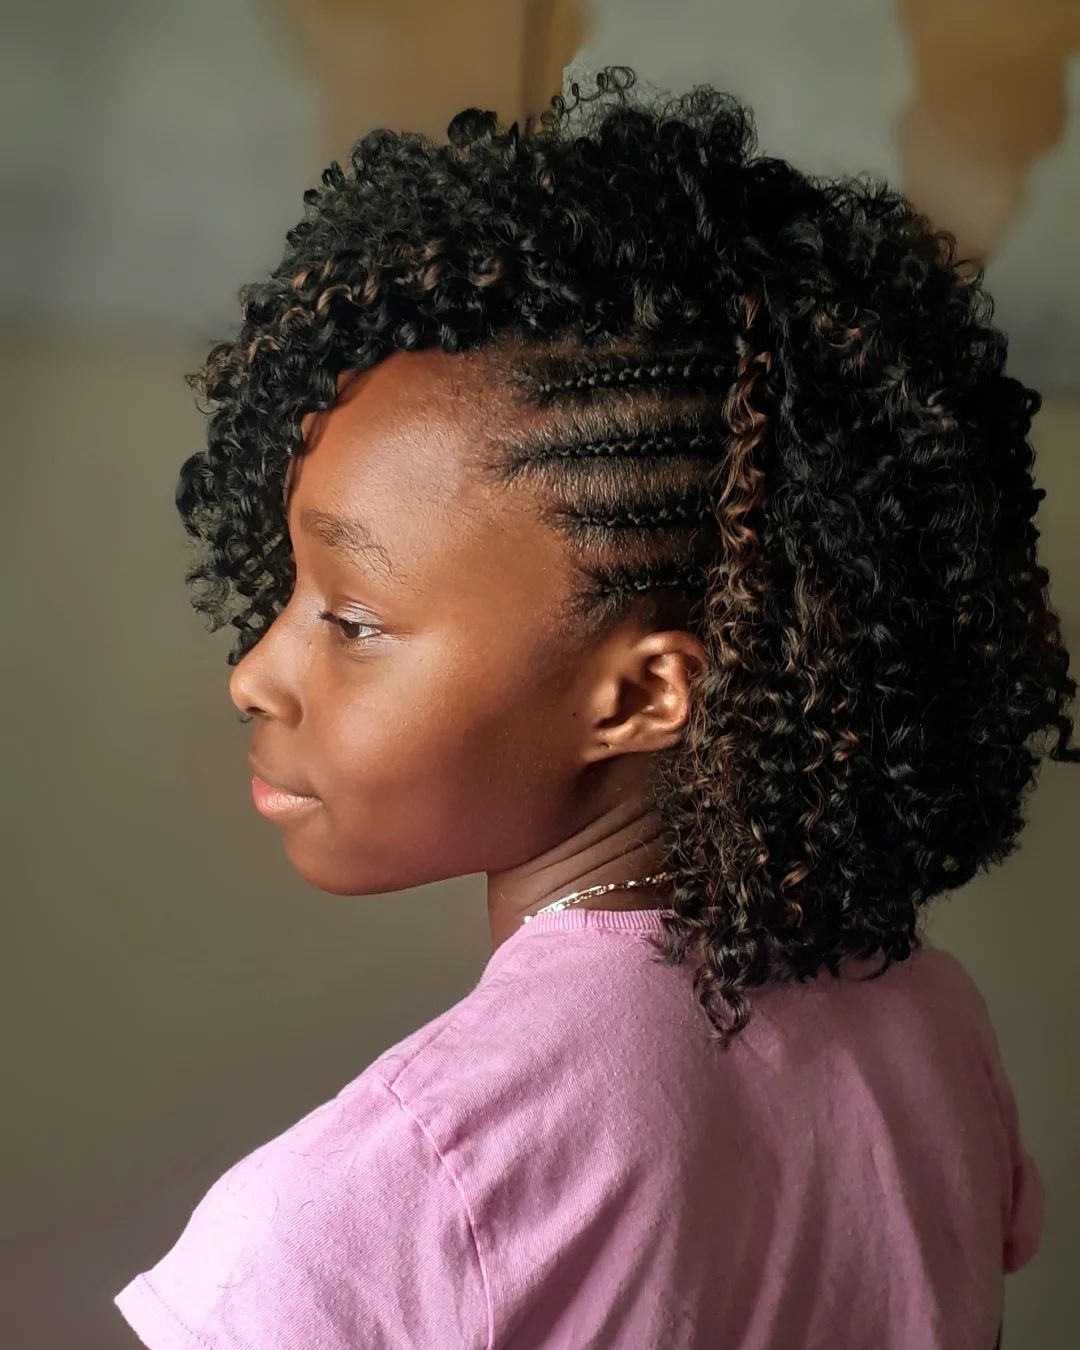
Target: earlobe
{"points": [[644, 704], [641, 735]]}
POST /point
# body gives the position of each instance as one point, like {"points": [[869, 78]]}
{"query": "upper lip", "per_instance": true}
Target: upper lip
{"points": [[274, 782]]}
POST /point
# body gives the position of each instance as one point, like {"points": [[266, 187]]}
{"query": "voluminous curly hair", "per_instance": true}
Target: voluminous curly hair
{"points": [[762, 404]]}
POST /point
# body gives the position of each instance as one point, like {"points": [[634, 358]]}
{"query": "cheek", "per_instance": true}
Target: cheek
{"points": [[446, 767], [443, 738]]}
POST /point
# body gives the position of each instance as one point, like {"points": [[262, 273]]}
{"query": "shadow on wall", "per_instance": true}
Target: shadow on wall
{"points": [[989, 101], [476, 53]]}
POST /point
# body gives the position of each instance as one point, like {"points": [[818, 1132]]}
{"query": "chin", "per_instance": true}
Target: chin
{"points": [[361, 870], [327, 871], [320, 869]]}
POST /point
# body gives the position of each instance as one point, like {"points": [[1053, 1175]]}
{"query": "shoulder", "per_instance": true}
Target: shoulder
{"points": [[592, 993], [345, 1229], [931, 983], [575, 1035], [944, 983]]}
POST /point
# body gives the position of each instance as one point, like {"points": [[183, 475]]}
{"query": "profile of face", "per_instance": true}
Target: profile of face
{"points": [[419, 683]]}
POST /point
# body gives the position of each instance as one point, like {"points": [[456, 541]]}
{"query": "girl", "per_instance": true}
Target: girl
{"points": [[647, 525]]}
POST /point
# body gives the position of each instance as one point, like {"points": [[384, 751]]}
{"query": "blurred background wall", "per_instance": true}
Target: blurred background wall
{"points": [[175, 995]]}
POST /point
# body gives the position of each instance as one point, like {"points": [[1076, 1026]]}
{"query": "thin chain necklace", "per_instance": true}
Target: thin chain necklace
{"points": [[566, 900]]}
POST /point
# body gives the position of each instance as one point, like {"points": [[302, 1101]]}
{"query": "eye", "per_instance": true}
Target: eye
{"points": [[346, 636]]}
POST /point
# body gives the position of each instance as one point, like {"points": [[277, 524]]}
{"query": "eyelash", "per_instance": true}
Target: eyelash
{"points": [[328, 616]]}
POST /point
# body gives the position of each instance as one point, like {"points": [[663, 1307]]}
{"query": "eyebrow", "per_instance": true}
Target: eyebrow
{"points": [[350, 538]]}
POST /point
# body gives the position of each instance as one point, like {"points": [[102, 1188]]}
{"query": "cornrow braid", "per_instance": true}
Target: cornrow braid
{"points": [[621, 447], [686, 507], [643, 445], [560, 379]]}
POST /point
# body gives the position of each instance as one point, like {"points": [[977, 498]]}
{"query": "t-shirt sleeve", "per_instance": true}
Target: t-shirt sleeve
{"points": [[1025, 1231], [348, 1230], [1024, 1203], [1025, 1206]]}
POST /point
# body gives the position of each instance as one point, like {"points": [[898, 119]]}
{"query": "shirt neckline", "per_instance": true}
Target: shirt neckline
{"points": [[630, 921]]}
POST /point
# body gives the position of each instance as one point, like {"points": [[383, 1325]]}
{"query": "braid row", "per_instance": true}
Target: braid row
{"points": [[701, 370], [643, 446]]}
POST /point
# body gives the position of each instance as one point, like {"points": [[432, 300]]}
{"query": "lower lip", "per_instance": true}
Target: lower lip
{"points": [[275, 804]]}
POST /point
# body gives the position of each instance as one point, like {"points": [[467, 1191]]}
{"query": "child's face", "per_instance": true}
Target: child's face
{"points": [[452, 737]]}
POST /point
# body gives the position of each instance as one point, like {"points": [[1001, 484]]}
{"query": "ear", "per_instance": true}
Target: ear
{"points": [[642, 699]]}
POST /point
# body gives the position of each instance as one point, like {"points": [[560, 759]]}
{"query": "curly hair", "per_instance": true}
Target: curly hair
{"points": [[766, 405]]}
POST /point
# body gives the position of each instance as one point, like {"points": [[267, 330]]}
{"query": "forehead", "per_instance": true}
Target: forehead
{"points": [[397, 452], [397, 432]]}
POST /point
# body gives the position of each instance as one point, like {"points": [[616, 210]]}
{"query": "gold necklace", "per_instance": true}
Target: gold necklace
{"points": [[566, 900]]}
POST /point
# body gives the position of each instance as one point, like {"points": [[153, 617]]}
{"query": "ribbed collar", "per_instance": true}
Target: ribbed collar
{"points": [[582, 920]]}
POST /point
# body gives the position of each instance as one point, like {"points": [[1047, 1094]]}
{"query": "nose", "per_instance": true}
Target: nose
{"points": [[257, 685]]}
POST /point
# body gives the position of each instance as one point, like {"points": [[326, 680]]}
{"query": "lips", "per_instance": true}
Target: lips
{"points": [[275, 800], [277, 805]]}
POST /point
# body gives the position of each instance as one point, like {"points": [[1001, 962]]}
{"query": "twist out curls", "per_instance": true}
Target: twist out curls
{"points": [[764, 405]]}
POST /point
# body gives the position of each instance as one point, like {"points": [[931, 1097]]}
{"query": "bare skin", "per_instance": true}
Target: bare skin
{"points": [[460, 731]]}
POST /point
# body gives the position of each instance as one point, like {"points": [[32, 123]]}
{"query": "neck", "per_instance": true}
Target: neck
{"points": [[622, 844]]}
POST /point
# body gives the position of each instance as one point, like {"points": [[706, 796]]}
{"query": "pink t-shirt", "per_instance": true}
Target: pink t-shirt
{"points": [[561, 1159]]}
